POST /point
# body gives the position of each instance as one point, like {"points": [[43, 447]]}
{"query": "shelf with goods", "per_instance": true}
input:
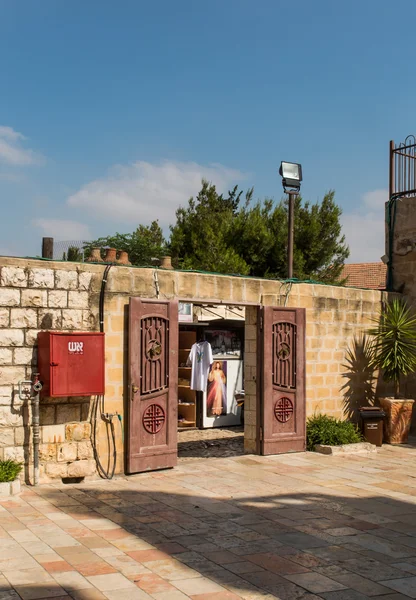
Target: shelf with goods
{"points": [[186, 396]]}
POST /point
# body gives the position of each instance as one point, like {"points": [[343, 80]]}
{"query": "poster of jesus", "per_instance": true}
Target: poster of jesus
{"points": [[217, 389]]}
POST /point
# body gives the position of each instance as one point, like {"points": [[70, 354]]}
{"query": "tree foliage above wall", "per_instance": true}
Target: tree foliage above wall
{"points": [[230, 233], [227, 234]]}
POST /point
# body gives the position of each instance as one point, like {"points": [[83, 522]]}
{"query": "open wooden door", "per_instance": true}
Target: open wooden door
{"points": [[153, 385], [282, 414]]}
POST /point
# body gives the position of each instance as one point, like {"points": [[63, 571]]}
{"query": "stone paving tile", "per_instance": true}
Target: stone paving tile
{"points": [[315, 582], [135, 594], [405, 586], [110, 582], [353, 581], [374, 570], [323, 519], [153, 584], [344, 595], [87, 594], [57, 566], [71, 580], [198, 585]]}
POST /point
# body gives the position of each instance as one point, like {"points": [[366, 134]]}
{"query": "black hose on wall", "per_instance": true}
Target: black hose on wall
{"points": [[99, 405]]}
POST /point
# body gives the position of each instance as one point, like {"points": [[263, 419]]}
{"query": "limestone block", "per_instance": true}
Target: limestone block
{"points": [[11, 337], [23, 317], [81, 468], [78, 299], [77, 431], [4, 489], [85, 411], [50, 318], [187, 284], [66, 452], [361, 447], [6, 437], [9, 297], [11, 375], [47, 452], [31, 337], [4, 317], [58, 299], [71, 319], [10, 417], [34, 297], [119, 280], [13, 277], [252, 290], [41, 278], [89, 320], [55, 470], [52, 433], [24, 356], [67, 413], [46, 414], [143, 284], [6, 356], [85, 450], [67, 280], [15, 487], [84, 281], [20, 433], [13, 453]]}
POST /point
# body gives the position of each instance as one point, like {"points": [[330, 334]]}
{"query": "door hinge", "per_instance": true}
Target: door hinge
{"points": [[261, 323], [261, 433]]}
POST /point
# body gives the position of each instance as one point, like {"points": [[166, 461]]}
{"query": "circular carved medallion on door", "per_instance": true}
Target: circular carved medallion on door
{"points": [[154, 418], [283, 410]]}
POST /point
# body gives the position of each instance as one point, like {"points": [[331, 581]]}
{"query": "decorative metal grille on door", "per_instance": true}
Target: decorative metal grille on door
{"points": [[284, 350], [155, 341]]}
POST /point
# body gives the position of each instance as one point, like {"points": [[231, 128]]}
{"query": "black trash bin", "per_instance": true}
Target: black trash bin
{"points": [[372, 422]]}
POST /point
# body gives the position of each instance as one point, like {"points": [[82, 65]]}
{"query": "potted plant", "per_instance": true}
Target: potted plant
{"points": [[394, 354]]}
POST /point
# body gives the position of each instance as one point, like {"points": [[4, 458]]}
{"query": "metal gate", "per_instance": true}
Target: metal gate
{"points": [[153, 379], [281, 365]]}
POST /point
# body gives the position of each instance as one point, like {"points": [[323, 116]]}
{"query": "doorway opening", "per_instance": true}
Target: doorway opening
{"points": [[211, 417]]}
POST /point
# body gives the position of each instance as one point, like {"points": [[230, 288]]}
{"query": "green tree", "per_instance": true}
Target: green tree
{"points": [[145, 243], [223, 234], [201, 237], [74, 254]]}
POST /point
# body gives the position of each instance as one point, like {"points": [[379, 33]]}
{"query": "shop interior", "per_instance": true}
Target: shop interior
{"points": [[221, 401]]}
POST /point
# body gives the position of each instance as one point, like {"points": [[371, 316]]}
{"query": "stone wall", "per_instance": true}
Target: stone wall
{"points": [[37, 295], [404, 247]]}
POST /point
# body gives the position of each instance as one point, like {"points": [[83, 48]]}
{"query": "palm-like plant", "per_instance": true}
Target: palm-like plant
{"points": [[394, 342]]}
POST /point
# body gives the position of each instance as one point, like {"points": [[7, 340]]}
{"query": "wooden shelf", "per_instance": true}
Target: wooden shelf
{"points": [[186, 410]]}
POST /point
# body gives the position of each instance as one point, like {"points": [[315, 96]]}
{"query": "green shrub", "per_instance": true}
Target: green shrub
{"points": [[328, 431], [9, 470]]}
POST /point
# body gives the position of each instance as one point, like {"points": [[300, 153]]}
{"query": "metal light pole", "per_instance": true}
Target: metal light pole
{"points": [[291, 178], [291, 221]]}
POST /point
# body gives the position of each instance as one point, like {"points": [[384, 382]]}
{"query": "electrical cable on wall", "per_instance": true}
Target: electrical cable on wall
{"points": [[98, 408]]}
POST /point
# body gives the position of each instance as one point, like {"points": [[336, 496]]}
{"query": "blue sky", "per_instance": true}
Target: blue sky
{"points": [[111, 112]]}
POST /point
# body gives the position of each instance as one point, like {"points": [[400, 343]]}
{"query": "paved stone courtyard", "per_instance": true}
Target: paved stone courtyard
{"points": [[206, 443], [300, 526]]}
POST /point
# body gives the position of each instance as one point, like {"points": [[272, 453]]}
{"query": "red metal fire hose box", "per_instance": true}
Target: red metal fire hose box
{"points": [[71, 364]]}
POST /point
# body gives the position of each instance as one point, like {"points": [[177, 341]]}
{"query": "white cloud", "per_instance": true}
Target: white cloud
{"points": [[144, 191], [364, 228], [62, 229], [12, 151]]}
